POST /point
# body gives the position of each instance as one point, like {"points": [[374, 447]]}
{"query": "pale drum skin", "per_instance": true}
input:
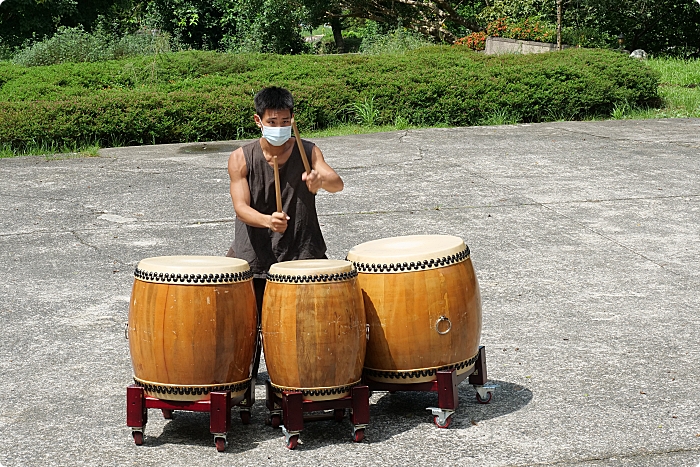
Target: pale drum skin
{"points": [[192, 335], [314, 334], [405, 311]]}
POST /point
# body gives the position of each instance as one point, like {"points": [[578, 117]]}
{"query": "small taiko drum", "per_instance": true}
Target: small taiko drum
{"points": [[314, 328], [192, 326], [423, 307]]}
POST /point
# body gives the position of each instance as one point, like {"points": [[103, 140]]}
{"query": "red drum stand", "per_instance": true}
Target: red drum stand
{"points": [[287, 411], [219, 407], [446, 387]]}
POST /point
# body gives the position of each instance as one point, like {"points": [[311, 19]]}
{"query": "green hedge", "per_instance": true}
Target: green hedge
{"points": [[198, 96]]}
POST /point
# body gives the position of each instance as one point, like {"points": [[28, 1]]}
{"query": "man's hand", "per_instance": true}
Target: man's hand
{"points": [[278, 222], [313, 181]]}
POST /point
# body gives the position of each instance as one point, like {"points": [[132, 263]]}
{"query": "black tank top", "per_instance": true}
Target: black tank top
{"points": [[303, 238]]}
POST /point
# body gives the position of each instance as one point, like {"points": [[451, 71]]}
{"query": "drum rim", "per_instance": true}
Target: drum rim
{"points": [[180, 390], [413, 266], [318, 279], [317, 391], [412, 374], [311, 268]]}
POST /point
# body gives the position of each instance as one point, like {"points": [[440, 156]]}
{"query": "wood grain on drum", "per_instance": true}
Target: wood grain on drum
{"points": [[404, 311], [192, 334], [314, 334]]}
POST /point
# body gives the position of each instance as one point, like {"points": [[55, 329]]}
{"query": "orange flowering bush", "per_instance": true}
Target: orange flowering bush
{"points": [[526, 30], [475, 40]]}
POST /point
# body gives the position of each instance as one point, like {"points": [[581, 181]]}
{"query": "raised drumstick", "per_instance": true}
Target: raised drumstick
{"points": [[278, 193], [301, 147]]}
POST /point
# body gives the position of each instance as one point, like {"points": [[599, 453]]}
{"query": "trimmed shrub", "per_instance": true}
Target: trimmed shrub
{"points": [[197, 96]]}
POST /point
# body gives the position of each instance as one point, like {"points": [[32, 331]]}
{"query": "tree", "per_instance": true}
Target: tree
{"points": [[22, 20], [653, 25], [440, 19]]}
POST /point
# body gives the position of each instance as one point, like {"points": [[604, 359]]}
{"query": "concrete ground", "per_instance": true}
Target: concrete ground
{"points": [[585, 237]]}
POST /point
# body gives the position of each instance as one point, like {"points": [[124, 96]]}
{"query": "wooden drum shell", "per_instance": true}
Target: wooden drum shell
{"points": [[314, 337], [406, 310], [192, 338]]}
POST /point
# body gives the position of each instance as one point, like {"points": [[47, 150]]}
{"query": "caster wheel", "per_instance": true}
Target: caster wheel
{"points": [[245, 417], [220, 444], [338, 415], [138, 437], [167, 414], [485, 400], [275, 421], [293, 441], [444, 425], [359, 435]]}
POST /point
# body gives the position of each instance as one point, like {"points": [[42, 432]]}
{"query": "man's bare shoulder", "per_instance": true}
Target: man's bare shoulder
{"points": [[236, 161]]}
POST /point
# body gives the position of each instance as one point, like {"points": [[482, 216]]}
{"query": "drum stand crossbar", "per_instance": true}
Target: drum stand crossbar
{"points": [[287, 411], [219, 407], [446, 386]]}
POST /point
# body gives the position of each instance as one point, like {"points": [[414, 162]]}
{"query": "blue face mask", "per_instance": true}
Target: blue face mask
{"points": [[277, 135]]}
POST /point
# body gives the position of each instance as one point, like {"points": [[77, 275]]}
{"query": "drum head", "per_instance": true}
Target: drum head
{"points": [[192, 269], [408, 248], [411, 250], [311, 267]]}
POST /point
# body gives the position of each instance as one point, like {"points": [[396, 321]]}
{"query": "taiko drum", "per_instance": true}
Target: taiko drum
{"points": [[314, 328], [192, 326], [423, 306]]}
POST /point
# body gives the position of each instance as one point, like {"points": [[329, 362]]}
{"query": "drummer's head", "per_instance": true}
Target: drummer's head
{"points": [[274, 106]]}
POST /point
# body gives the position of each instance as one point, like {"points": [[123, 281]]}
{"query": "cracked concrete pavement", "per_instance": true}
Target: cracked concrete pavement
{"points": [[585, 237]]}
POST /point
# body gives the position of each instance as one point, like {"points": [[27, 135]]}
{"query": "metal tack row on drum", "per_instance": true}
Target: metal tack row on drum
{"points": [[399, 314]]}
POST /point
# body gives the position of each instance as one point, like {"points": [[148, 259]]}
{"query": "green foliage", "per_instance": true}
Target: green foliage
{"points": [[196, 96], [76, 45], [587, 37], [366, 112], [517, 10], [398, 41], [268, 26], [657, 26], [679, 89], [31, 20]]}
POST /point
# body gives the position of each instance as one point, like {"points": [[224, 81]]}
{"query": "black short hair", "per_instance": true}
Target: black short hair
{"points": [[273, 98]]}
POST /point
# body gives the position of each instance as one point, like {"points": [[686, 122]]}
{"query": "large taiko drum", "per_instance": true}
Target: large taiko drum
{"points": [[192, 326], [314, 328], [422, 304]]}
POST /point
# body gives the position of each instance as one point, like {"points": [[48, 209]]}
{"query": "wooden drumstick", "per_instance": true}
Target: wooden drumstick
{"points": [[301, 147], [278, 193]]}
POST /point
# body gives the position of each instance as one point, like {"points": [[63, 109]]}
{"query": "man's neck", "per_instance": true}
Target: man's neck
{"points": [[270, 151]]}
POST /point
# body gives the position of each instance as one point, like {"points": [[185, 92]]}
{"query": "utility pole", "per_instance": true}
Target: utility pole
{"points": [[559, 8]]}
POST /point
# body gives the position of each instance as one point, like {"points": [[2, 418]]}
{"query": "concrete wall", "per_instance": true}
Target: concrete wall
{"points": [[500, 45]]}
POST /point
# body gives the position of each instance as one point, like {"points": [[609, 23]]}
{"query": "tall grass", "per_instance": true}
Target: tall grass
{"points": [[74, 45]]}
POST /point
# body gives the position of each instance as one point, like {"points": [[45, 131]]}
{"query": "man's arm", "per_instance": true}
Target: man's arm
{"points": [[322, 175], [240, 195]]}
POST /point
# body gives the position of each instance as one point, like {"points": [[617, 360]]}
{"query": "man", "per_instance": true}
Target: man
{"points": [[262, 235]]}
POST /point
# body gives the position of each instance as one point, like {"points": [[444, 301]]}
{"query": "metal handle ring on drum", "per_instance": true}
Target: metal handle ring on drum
{"points": [[437, 325]]}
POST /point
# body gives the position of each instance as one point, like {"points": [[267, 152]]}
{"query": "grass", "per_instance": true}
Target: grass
{"points": [[679, 89], [53, 151]]}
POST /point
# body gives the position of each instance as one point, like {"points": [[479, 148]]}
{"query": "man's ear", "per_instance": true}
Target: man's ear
{"points": [[257, 120]]}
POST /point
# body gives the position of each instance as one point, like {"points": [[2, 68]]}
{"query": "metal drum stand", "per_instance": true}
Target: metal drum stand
{"points": [[219, 407], [287, 411], [446, 386]]}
